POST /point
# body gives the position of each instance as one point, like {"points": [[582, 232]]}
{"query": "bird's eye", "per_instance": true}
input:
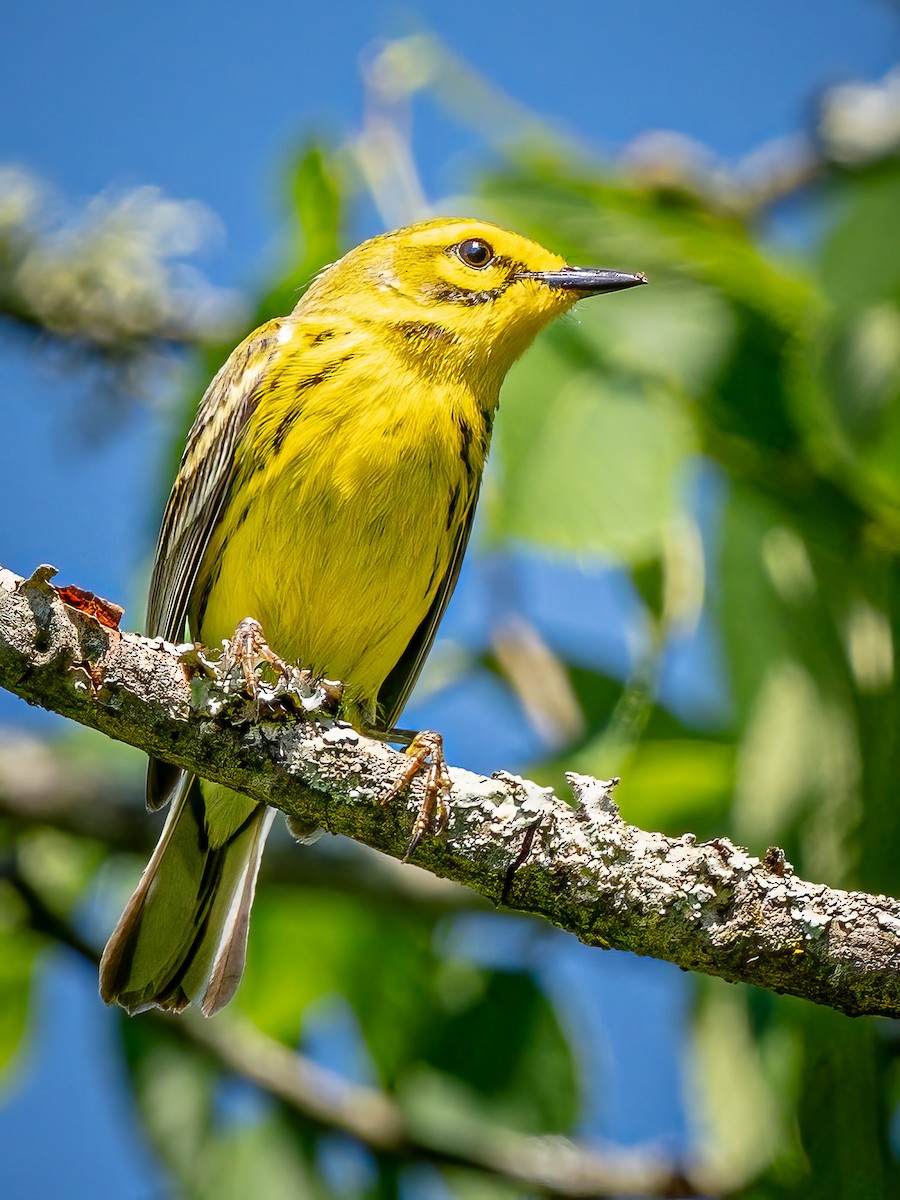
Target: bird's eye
{"points": [[475, 253]]}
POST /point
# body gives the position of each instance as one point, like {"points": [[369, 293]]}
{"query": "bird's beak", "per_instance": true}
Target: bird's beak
{"points": [[590, 281]]}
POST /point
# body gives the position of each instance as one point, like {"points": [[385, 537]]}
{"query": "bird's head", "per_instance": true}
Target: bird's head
{"points": [[465, 292]]}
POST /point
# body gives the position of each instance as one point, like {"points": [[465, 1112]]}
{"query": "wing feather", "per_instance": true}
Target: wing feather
{"points": [[201, 488], [195, 505]]}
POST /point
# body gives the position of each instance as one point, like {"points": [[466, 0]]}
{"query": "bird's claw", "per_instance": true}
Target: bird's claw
{"points": [[295, 688], [243, 651], [426, 750]]}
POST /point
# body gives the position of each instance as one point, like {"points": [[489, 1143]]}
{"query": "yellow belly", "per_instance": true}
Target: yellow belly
{"points": [[338, 542]]}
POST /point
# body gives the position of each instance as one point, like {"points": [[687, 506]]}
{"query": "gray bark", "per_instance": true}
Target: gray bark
{"points": [[710, 907]]}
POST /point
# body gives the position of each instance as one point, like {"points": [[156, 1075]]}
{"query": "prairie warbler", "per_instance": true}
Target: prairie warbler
{"points": [[327, 490]]}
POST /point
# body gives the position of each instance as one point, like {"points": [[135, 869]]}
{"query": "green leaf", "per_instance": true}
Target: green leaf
{"points": [[674, 331], [859, 261], [740, 1116], [749, 608], [301, 948], [308, 946], [506, 1048], [319, 195], [677, 785], [173, 1087], [588, 464], [18, 954]]}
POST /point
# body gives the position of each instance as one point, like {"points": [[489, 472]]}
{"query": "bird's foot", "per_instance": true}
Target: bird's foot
{"points": [[294, 687], [244, 650], [425, 751]]}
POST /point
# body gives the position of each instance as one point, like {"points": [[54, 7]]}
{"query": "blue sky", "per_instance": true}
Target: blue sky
{"points": [[207, 102], [205, 99]]}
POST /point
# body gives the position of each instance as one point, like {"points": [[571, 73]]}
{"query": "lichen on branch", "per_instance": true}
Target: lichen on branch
{"points": [[709, 907]]}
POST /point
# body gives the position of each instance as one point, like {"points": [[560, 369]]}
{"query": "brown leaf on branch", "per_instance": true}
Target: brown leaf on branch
{"points": [[104, 611]]}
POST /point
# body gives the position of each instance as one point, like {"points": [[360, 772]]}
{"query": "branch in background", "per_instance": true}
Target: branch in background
{"points": [[38, 786], [710, 907], [554, 1165], [107, 280]]}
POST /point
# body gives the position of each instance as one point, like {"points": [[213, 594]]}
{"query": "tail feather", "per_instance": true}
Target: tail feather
{"points": [[183, 934], [215, 983]]}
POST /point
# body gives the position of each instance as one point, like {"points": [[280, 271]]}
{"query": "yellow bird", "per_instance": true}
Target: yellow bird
{"points": [[327, 490]]}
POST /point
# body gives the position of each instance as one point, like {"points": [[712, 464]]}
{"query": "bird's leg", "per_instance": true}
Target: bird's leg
{"points": [[244, 649], [425, 750]]}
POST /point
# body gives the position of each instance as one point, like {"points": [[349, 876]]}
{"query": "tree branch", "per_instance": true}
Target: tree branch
{"points": [[41, 785], [710, 907], [552, 1165]]}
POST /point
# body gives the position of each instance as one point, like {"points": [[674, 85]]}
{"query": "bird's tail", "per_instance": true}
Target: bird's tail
{"points": [[183, 934]]}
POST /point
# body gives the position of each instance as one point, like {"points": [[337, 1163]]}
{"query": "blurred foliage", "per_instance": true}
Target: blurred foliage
{"points": [[730, 437]]}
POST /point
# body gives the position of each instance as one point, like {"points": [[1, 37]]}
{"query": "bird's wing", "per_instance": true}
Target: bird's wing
{"points": [[396, 688], [195, 505], [201, 488]]}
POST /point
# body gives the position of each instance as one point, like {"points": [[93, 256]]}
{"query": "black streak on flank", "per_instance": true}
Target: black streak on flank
{"points": [[287, 421], [451, 510], [284, 428], [324, 335], [466, 434]]}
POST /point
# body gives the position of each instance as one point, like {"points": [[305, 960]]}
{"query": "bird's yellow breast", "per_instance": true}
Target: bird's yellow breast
{"points": [[353, 480]]}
